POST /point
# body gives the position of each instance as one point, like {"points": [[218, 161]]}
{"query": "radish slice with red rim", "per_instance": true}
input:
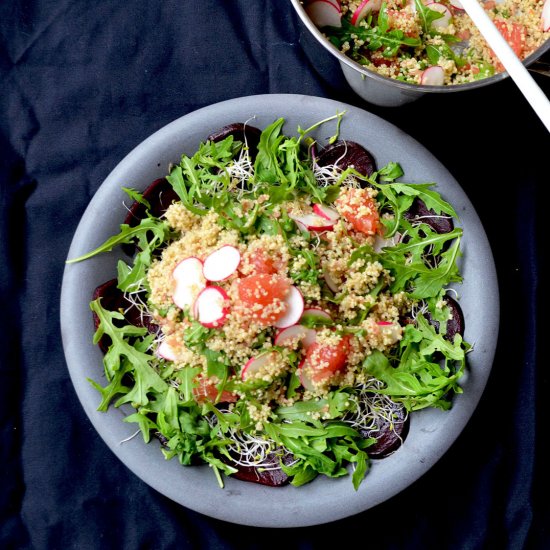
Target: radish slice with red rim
{"points": [[392, 332], [364, 8], [306, 336], [254, 365], [189, 282], [457, 5], [221, 264], [326, 212], [444, 21], [212, 306], [324, 13], [166, 351], [294, 308], [313, 222], [433, 76], [332, 283], [317, 315]]}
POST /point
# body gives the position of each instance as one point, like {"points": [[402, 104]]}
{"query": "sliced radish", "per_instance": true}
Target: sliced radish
{"points": [[326, 212], [457, 5], [305, 380], [166, 351], [190, 282], [306, 336], [380, 242], [442, 21], [332, 283], [294, 308], [316, 314], [365, 7], [313, 222], [324, 13], [211, 307], [545, 16], [391, 331], [222, 263], [433, 76], [335, 3], [254, 365]]}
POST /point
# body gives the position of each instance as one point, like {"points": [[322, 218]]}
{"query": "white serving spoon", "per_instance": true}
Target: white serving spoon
{"points": [[515, 68]]}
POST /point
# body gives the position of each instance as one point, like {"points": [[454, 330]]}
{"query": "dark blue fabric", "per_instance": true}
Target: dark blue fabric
{"points": [[82, 83]]}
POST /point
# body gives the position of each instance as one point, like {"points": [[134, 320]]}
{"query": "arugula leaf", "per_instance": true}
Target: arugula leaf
{"points": [[379, 37], [146, 379], [137, 196], [128, 234]]}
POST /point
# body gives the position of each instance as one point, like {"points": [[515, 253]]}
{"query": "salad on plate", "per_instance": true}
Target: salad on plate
{"points": [[283, 307]]}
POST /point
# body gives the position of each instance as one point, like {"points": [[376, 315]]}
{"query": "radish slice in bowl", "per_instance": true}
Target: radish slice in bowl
{"points": [[326, 212], [457, 5], [313, 222], [190, 282], [290, 334], [332, 283], [316, 314], [324, 13], [305, 380], [254, 365], [166, 351], [211, 307], [433, 76], [294, 308], [221, 264], [364, 8], [442, 21]]}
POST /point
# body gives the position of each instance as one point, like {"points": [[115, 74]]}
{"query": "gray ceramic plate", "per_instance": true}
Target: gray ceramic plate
{"points": [[431, 432]]}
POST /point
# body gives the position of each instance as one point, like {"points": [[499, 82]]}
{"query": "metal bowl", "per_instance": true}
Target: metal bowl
{"points": [[378, 89]]}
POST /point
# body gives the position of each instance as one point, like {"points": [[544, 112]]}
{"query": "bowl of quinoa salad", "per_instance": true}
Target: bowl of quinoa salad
{"points": [[248, 349], [393, 52]]}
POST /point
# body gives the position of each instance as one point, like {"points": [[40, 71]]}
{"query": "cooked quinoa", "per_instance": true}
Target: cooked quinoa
{"points": [[451, 42], [239, 336]]}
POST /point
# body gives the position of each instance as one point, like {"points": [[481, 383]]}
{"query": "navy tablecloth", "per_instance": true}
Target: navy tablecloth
{"points": [[81, 84]]}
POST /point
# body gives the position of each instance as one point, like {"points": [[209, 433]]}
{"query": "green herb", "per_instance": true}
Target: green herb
{"points": [[379, 37]]}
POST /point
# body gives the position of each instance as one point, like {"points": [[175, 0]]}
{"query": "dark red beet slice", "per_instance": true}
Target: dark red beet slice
{"points": [[439, 223], [455, 325], [346, 154], [388, 438], [272, 478], [160, 196], [113, 299], [240, 132]]}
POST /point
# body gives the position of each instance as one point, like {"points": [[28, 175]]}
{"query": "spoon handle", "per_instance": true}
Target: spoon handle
{"points": [[515, 68]]}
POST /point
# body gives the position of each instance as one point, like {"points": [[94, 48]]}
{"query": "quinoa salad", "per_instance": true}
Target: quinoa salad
{"points": [[285, 308], [426, 42]]}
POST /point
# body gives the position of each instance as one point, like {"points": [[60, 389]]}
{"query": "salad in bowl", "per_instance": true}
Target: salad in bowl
{"points": [[284, 307]]}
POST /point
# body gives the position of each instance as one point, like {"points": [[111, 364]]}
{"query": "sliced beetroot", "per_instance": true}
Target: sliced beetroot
{"points": [[255, 474], [419, 211], [455, 325], [388, 437], [347, 154], [240, 132], [160, 195], [113, 299]]}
